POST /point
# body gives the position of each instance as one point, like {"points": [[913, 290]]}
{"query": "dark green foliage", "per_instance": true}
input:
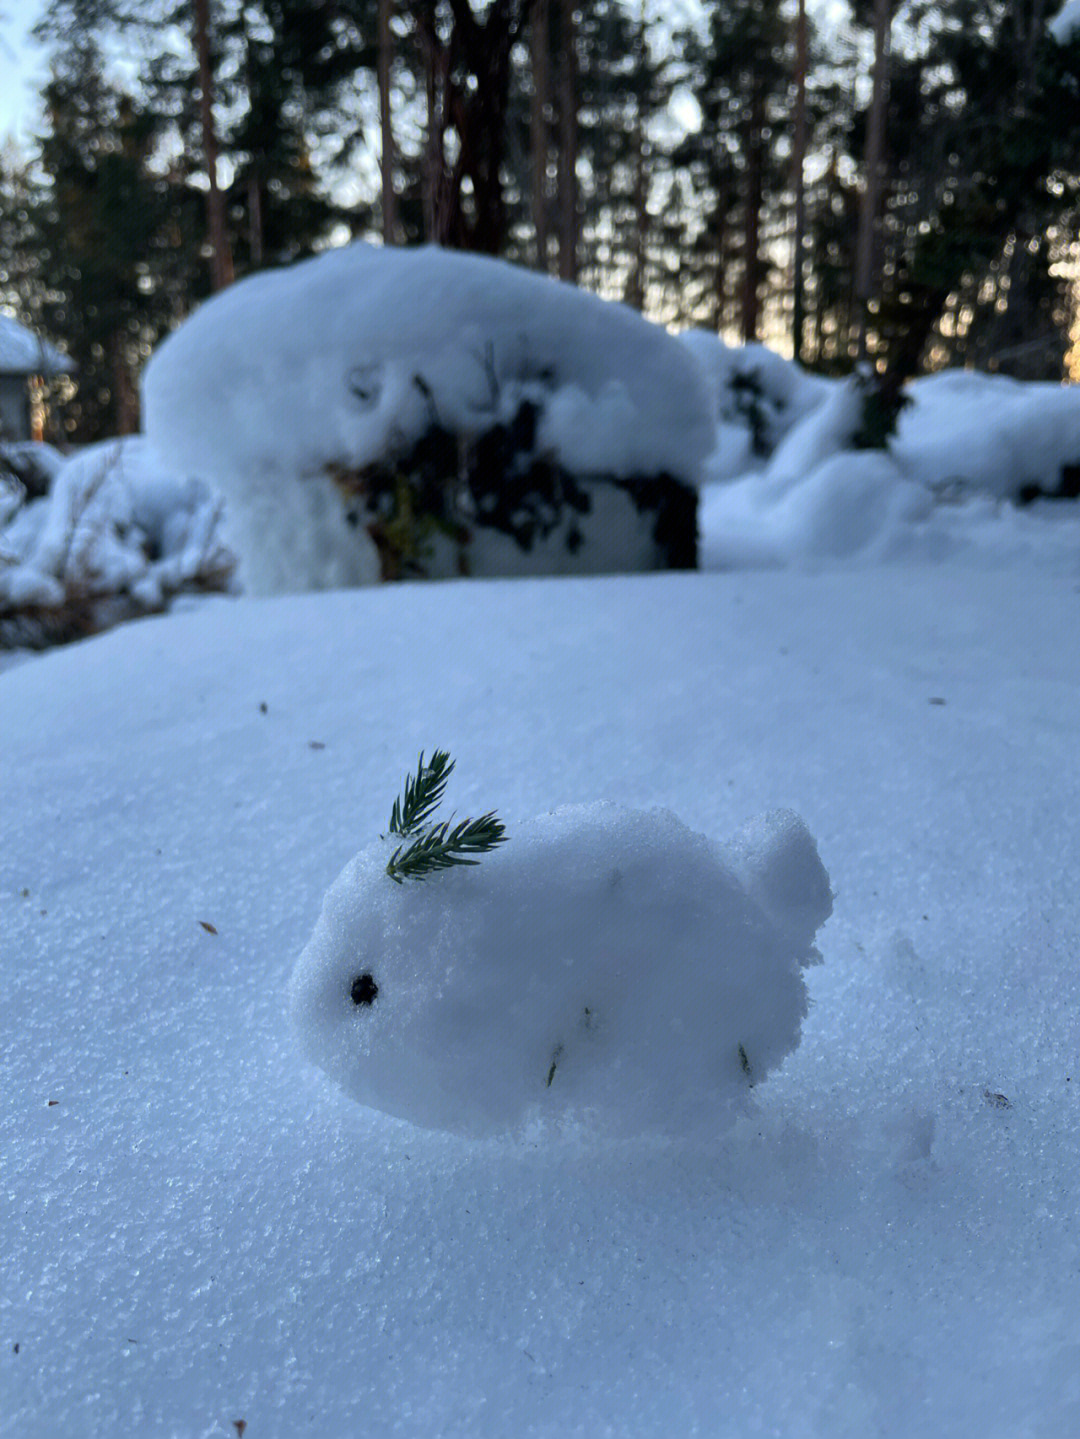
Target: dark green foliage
{"points": [[442, 847], [114, 239], [103, 229], [748, 394], [439, 846], [983, 133], [423, 792], [882, 402]]}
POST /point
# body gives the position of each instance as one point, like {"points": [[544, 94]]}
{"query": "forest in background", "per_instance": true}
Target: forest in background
{"points": [[901, 187]]}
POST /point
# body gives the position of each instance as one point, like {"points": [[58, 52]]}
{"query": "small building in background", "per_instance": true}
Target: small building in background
{"points": [[26, 362]]}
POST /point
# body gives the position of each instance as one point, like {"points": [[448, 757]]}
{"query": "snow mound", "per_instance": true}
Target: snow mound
{"points": [[116, 522], [758, 397], [965, 446], [348, 360], [991, 434], [24, 353], [605, 959], [32, 463]]}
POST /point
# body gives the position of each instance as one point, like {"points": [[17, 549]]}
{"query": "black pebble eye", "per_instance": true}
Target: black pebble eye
{"points": [[364, 989]]}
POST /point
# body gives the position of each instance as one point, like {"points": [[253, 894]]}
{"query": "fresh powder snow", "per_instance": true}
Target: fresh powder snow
{"points": [[204, 1234], [605, 961], [201, 1228]]}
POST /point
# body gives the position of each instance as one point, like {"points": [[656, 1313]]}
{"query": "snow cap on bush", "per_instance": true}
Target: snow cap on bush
{"points": [[347, 360]]}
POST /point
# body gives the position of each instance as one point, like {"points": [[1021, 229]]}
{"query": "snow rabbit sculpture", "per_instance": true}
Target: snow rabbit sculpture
{"points": [[605, 962]]}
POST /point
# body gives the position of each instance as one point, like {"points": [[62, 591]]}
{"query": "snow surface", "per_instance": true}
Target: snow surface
{"points": [[604, 961], [340, 361], [200, 1228]]}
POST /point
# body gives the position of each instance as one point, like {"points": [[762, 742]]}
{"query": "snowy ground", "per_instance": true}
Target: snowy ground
{"points": [[199, 1229]]}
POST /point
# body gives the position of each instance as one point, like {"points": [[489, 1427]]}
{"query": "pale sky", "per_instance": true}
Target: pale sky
{"points": [[22, 67]]}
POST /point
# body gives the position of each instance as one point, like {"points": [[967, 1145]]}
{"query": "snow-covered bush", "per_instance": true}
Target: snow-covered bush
{"points": [[965, 432], [757, 396], [603, 962], [118, 534], [397, 411], [866, 476], [32, 463]]}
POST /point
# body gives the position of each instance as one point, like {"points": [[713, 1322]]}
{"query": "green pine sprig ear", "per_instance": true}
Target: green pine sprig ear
{"points": [[435, 846], [423, 793]]}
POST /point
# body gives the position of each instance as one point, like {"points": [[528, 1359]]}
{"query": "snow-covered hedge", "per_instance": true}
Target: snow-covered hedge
{"points": [[790, 482], [757, 397], [422, 411], [118, 534]]}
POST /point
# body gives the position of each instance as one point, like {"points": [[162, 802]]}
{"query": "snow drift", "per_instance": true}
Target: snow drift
{"points": [[787, 483]]}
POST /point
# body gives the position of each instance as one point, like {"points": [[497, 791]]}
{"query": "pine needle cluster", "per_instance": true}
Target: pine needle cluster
{"points": [[434, 846]]}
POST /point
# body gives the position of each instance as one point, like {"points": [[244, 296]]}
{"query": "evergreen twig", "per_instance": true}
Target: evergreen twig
{"points": [[423, 793], [440, 847], [433, 847]]}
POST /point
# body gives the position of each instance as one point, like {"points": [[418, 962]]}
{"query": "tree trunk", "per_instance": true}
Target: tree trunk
{"points": [[798, 180], [866, 250], [719, 274], [635, 289], [255, 221], [432, 166], [539, 132], [568, 142], [125, 395], [387, 152], [221, 267], [752, 205], [467, 79]]}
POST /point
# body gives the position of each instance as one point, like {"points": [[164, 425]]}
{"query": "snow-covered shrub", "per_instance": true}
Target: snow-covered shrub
{"points": [[602, 962], [865, 475], [117, 535], [32, 463], [965, 432], [882, 405], [478, 418], [758, 397], [452, 503]]}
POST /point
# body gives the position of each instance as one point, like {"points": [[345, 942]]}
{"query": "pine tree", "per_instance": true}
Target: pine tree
{"points": [[114, 233]]}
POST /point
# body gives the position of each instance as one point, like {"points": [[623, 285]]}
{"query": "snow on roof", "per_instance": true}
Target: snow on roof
{"points": [[24, 353]]}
